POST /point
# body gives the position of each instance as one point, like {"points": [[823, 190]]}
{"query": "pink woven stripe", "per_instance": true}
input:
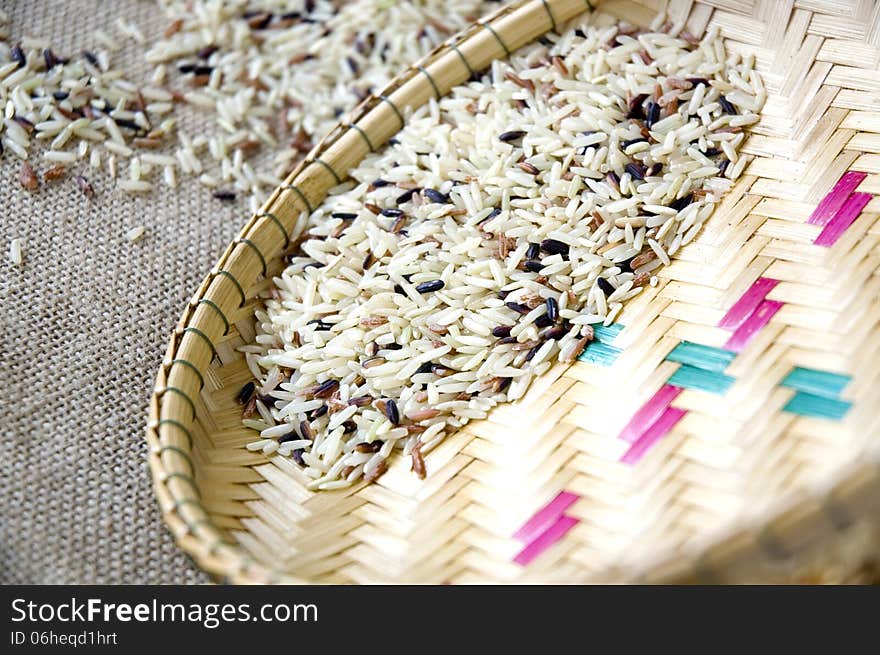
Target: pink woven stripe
{"points": [[752, 325], [653, 434], [748, 303], [832, 203], [549, 537], [545, 517], [649, 413], [842, 219]]}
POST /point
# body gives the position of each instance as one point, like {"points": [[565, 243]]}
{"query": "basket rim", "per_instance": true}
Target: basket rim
{"points": [[766, 536]]}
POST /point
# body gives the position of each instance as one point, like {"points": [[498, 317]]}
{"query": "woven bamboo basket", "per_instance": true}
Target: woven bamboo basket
{"points": [[763, 463]]}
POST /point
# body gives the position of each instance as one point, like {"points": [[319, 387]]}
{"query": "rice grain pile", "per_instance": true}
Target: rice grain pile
{"points": [[261, 78], [486, 240]]}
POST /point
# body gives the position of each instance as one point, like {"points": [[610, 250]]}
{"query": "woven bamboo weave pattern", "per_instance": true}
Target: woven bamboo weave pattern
{"points": [[743, 385]]}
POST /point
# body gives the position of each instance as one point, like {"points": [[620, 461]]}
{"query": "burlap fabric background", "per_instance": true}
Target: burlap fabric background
{"points": [[84, 323]]}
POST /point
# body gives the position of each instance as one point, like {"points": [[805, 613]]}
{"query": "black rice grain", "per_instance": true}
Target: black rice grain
{"points": [[513, 135], [552, 309], [533, 251], [91, 58], [127, 124], [432, 285], [406, 196], [555, 332], [726, 105], [436, 196], [502, 331], [605, 285], [635, 107], [50, 58], [318, 413], [392, 412], [554, 247], [636, 171], [246, 392], [290, 436], [681, 203], [533, 266], [18, 56], [325, 389], [225, 196], [613, 180], [653, 114]]}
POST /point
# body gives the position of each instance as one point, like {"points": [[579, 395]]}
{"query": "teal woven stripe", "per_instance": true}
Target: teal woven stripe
{"points": [[817, 383], [808, 404], [599, 353], [706, 358], [691, 377], [607, 334]]}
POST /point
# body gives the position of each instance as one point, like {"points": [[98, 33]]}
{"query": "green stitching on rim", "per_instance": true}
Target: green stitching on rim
{"points": [[219, 311], [180, 426], [431, 80], [204, 336], [272, 217], [182, 453], [497, 38], [253, 246], [369, 143], [180, 502], [186, 478], [178, 360], [550, 14], [302, 196], [463, 59], [237, 286], [180, 393], [394, 107], [318, 160]]}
